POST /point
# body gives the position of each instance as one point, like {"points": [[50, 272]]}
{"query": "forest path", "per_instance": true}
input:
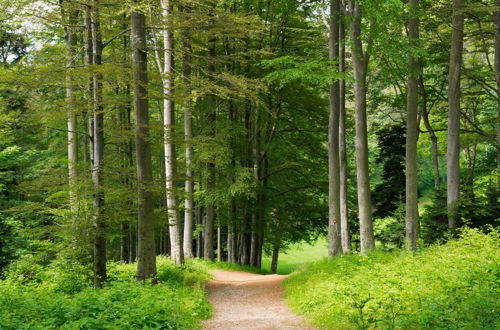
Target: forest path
{"points": [[249, 301]]}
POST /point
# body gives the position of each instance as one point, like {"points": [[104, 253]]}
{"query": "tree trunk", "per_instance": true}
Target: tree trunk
{"points": [[412, 132], [210, 208], [231, 234], [334, 231], [97, 170], [146, 254], [344, 215], [453, 149], [176, 253], [188, 137], [71, 41], [360, 65], [432, 135], [497, 76]]}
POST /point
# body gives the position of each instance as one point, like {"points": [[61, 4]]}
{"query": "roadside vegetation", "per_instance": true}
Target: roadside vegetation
{"points": [[450, 286], [61, 296]]}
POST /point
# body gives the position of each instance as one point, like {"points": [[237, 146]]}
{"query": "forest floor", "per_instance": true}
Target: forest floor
{"points": [[249, 301]]}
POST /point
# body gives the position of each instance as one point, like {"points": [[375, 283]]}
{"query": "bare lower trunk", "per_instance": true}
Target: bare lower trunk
{"points": [[176, 253], [188, 136], [432, 134], [360, 64], [412, 134], [334, 231], [146, 254], [453, 149], [97, 170], [344, 215], [71, 41]]}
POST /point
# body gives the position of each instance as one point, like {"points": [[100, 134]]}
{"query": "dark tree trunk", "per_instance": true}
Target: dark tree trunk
{"points": [[412, 132], [146, 254]]}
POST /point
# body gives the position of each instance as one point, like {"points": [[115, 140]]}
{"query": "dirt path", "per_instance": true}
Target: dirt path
{"points": [[249, 301]]}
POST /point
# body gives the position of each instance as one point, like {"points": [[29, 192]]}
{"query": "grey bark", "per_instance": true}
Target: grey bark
{"points": [[97, 170], [71, 41], [146, 254], [176, 252], [344, 213], [334, 231], [188, 137], [453, 148], [360, 65], [412, 132]]}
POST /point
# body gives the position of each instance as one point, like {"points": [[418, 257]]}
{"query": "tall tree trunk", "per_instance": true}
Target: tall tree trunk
{"points": [[146, 254], [71, 41], [208, 247], [453, 149], [412, 132], [360, 65], [334, 231], [188, 137], [344, 215], [497, 76], [89, 51], [432, 134], [97, 170], [169, 134]]}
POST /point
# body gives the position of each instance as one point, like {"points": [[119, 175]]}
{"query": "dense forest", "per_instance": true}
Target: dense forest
{"points": [[231, 130]]}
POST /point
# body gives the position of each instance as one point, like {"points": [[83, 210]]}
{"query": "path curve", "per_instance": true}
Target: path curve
{"points": [[249, 301]]}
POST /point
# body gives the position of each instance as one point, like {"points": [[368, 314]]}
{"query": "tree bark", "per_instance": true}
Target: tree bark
{"points": [[176, 253], [146, 254], [71, 41], [188, 137], [360, 65], [497, 76], [334, 231], [453, 149], [97, 170], [432, 135], [412, 132], [344, 214]]}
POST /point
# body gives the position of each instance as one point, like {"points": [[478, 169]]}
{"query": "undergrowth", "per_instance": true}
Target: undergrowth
{"points": [[452, 286], [60, 296]]}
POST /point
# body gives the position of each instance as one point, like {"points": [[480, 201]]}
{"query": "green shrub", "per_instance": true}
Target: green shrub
{"points": [[452, 286], [177, 302]]}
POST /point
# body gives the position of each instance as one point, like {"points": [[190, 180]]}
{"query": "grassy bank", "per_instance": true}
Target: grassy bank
{"points": [[452, 286], [61, 297], [297, 256]]}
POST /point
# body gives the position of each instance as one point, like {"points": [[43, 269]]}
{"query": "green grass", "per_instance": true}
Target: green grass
{"points": [[230, 266], [297, 256], [60, 297], [452, 286]]}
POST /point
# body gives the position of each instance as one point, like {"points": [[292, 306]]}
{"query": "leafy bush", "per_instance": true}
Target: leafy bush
{"points": [[455, 285], [177, 302]]}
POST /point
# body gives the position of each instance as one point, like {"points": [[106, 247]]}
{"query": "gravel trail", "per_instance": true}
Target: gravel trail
{"points": [[249, 301]]}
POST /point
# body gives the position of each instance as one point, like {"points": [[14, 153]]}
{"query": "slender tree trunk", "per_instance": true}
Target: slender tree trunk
{"points": [[146, 254], [231, 234], [432, 135], [169, 135], [497, 76], [360, 65], [334, 231], [71, 41], [89, 50], [188, 137], [412, 132], [210, 208], [97, 170], [453, 149], [344, 214]]}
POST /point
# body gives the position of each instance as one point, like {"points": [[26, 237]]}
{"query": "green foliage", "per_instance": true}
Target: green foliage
{"points": [[455, 285], [390, 231], [60, 297]]}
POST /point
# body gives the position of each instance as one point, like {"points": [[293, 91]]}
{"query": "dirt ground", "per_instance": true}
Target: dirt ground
{"points": [[249, 301]]}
